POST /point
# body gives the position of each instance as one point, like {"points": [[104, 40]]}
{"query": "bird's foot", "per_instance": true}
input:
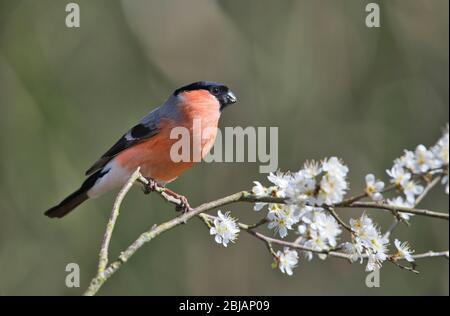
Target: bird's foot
{"points": [[150, 186], [184, 206]]}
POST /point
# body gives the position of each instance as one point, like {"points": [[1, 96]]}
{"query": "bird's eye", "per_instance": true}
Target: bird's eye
{"points": [[215, 90]]}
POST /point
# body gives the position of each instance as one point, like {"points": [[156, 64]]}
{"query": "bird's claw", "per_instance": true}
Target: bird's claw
{"points": [[184, 206], [150, 186]]}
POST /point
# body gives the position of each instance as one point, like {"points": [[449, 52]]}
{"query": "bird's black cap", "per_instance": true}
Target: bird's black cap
{"points": [[219, 90]]}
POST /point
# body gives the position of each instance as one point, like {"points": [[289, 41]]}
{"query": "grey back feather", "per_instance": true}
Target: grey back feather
{"points": [[147, 127]]}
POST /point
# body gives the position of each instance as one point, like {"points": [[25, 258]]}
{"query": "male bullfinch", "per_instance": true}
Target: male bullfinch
{"points": [[148, 144]]}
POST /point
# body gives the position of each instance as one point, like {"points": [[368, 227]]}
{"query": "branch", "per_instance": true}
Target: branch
{"points": [[432, 254], [103, 260], [106, 269], [351, 203], [384, 206], [339, 220]]}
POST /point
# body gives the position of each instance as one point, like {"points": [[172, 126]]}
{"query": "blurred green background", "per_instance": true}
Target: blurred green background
{"points": [[312, 68]]}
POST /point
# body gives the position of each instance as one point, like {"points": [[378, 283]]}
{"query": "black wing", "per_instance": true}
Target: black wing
{"points": [[137, 134]]}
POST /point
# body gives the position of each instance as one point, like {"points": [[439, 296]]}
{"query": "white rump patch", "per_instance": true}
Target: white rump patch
{"points": [[115, 178]]}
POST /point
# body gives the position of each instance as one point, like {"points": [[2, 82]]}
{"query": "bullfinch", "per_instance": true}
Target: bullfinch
{"points": [[148, 144]]}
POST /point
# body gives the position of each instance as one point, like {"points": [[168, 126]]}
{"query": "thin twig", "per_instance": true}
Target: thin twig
{"points": [[339, 220], [384, 206], [153, 232], [103, 260], [432, 254], [410, 269]]}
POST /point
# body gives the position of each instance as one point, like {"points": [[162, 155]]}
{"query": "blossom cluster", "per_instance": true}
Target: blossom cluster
{"points": [[318, 230], [306, 190], [406, 175], [420, 162], [369, 241], [307, 196], [412, 166]]}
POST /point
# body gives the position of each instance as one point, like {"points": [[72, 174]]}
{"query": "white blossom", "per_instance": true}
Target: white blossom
{"points": [[301, 188], [312, 169], [282, 217], [281, 181], [333, 185], [327, 227], [377, 253], [441, 150], [361, 225], [318, 230], [411, 189], [398, 175], [332, 189], [374, 187], [334, 167], [259, 191], [424, 160], [287, 260], [317, 242], [225, 228], [372, 262], [403, 251]]}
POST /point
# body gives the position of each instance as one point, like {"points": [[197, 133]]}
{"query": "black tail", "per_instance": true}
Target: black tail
{"points": [[76, 198], [68, 204]]}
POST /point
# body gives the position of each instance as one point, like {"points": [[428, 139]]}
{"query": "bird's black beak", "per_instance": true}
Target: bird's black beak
{"points": [[231, 98], [227, 99]]}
